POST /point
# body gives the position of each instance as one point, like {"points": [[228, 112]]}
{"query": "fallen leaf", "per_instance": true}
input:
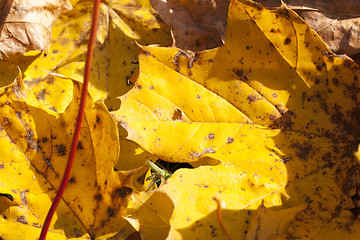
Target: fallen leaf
{"points": [[275, 109], [35, 142], [26, 25], [196, 25], [337, 24], [121, 24]]}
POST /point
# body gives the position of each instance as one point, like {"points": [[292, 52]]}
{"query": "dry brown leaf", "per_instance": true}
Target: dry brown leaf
{"points": [[196, 25], [26, 25]]}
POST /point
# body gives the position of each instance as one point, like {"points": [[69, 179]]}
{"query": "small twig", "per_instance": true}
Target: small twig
{"points": [[218, 213], [91, 46]]}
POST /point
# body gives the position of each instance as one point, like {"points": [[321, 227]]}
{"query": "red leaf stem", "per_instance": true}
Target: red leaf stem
{"points": [[91, 46]]}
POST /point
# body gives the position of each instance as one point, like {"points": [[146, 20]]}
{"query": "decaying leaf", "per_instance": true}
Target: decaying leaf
{"points": [[121, 24], [196, 25], [26, 25], [35, 141], [276, 111]]}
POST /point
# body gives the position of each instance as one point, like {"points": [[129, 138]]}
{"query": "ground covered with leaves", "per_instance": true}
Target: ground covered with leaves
{"points": [[266, 120]]}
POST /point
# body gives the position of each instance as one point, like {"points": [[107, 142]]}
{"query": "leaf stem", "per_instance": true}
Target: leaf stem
{"points": [[89, 56], [219, 218]]}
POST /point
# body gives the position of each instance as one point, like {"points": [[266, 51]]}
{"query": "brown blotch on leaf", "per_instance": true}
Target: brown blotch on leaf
{"points": [[41, 95], [287, 41], [80, 146], [335, 81], [22, 220], [98, 118], [230, 140], [72, 180], [98, 197], [251, 98], [6, 121], [303, 150], [110, 212], [61, 149], [139, 86], [285, 121], [177, 115], [122, 192]]}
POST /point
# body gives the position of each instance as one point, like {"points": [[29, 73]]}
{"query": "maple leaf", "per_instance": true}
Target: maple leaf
{"points": [[272, 116], [35, 135], [26, 25], [121, 23]]}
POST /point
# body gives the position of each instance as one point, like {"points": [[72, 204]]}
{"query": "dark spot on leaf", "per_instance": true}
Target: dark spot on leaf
{"points": [[1, 166], [210, 60], [98, 118], [121, 192], [53, 137], [61, 149], [147, 53], [177, 115], [287, 41], [317, 81], [213, 231], [7, 122], [110, 212], [44, 139], [72, 180], [79, 146], [230, 140], [139, 86], [335, 81], [247, 47], [239, 72], [285, 121], [151, 88], [18, 114], [22, 219], [36, 225], [274, 95], [41, 95], [285, 160], [303, 150], [98, 197], [319, 67], [211, 136], [251, 98], [55, 51]]}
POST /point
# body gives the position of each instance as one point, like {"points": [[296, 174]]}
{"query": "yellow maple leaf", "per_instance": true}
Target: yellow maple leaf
{"points": [[35, 141], [276, 110], [121, 24]]}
